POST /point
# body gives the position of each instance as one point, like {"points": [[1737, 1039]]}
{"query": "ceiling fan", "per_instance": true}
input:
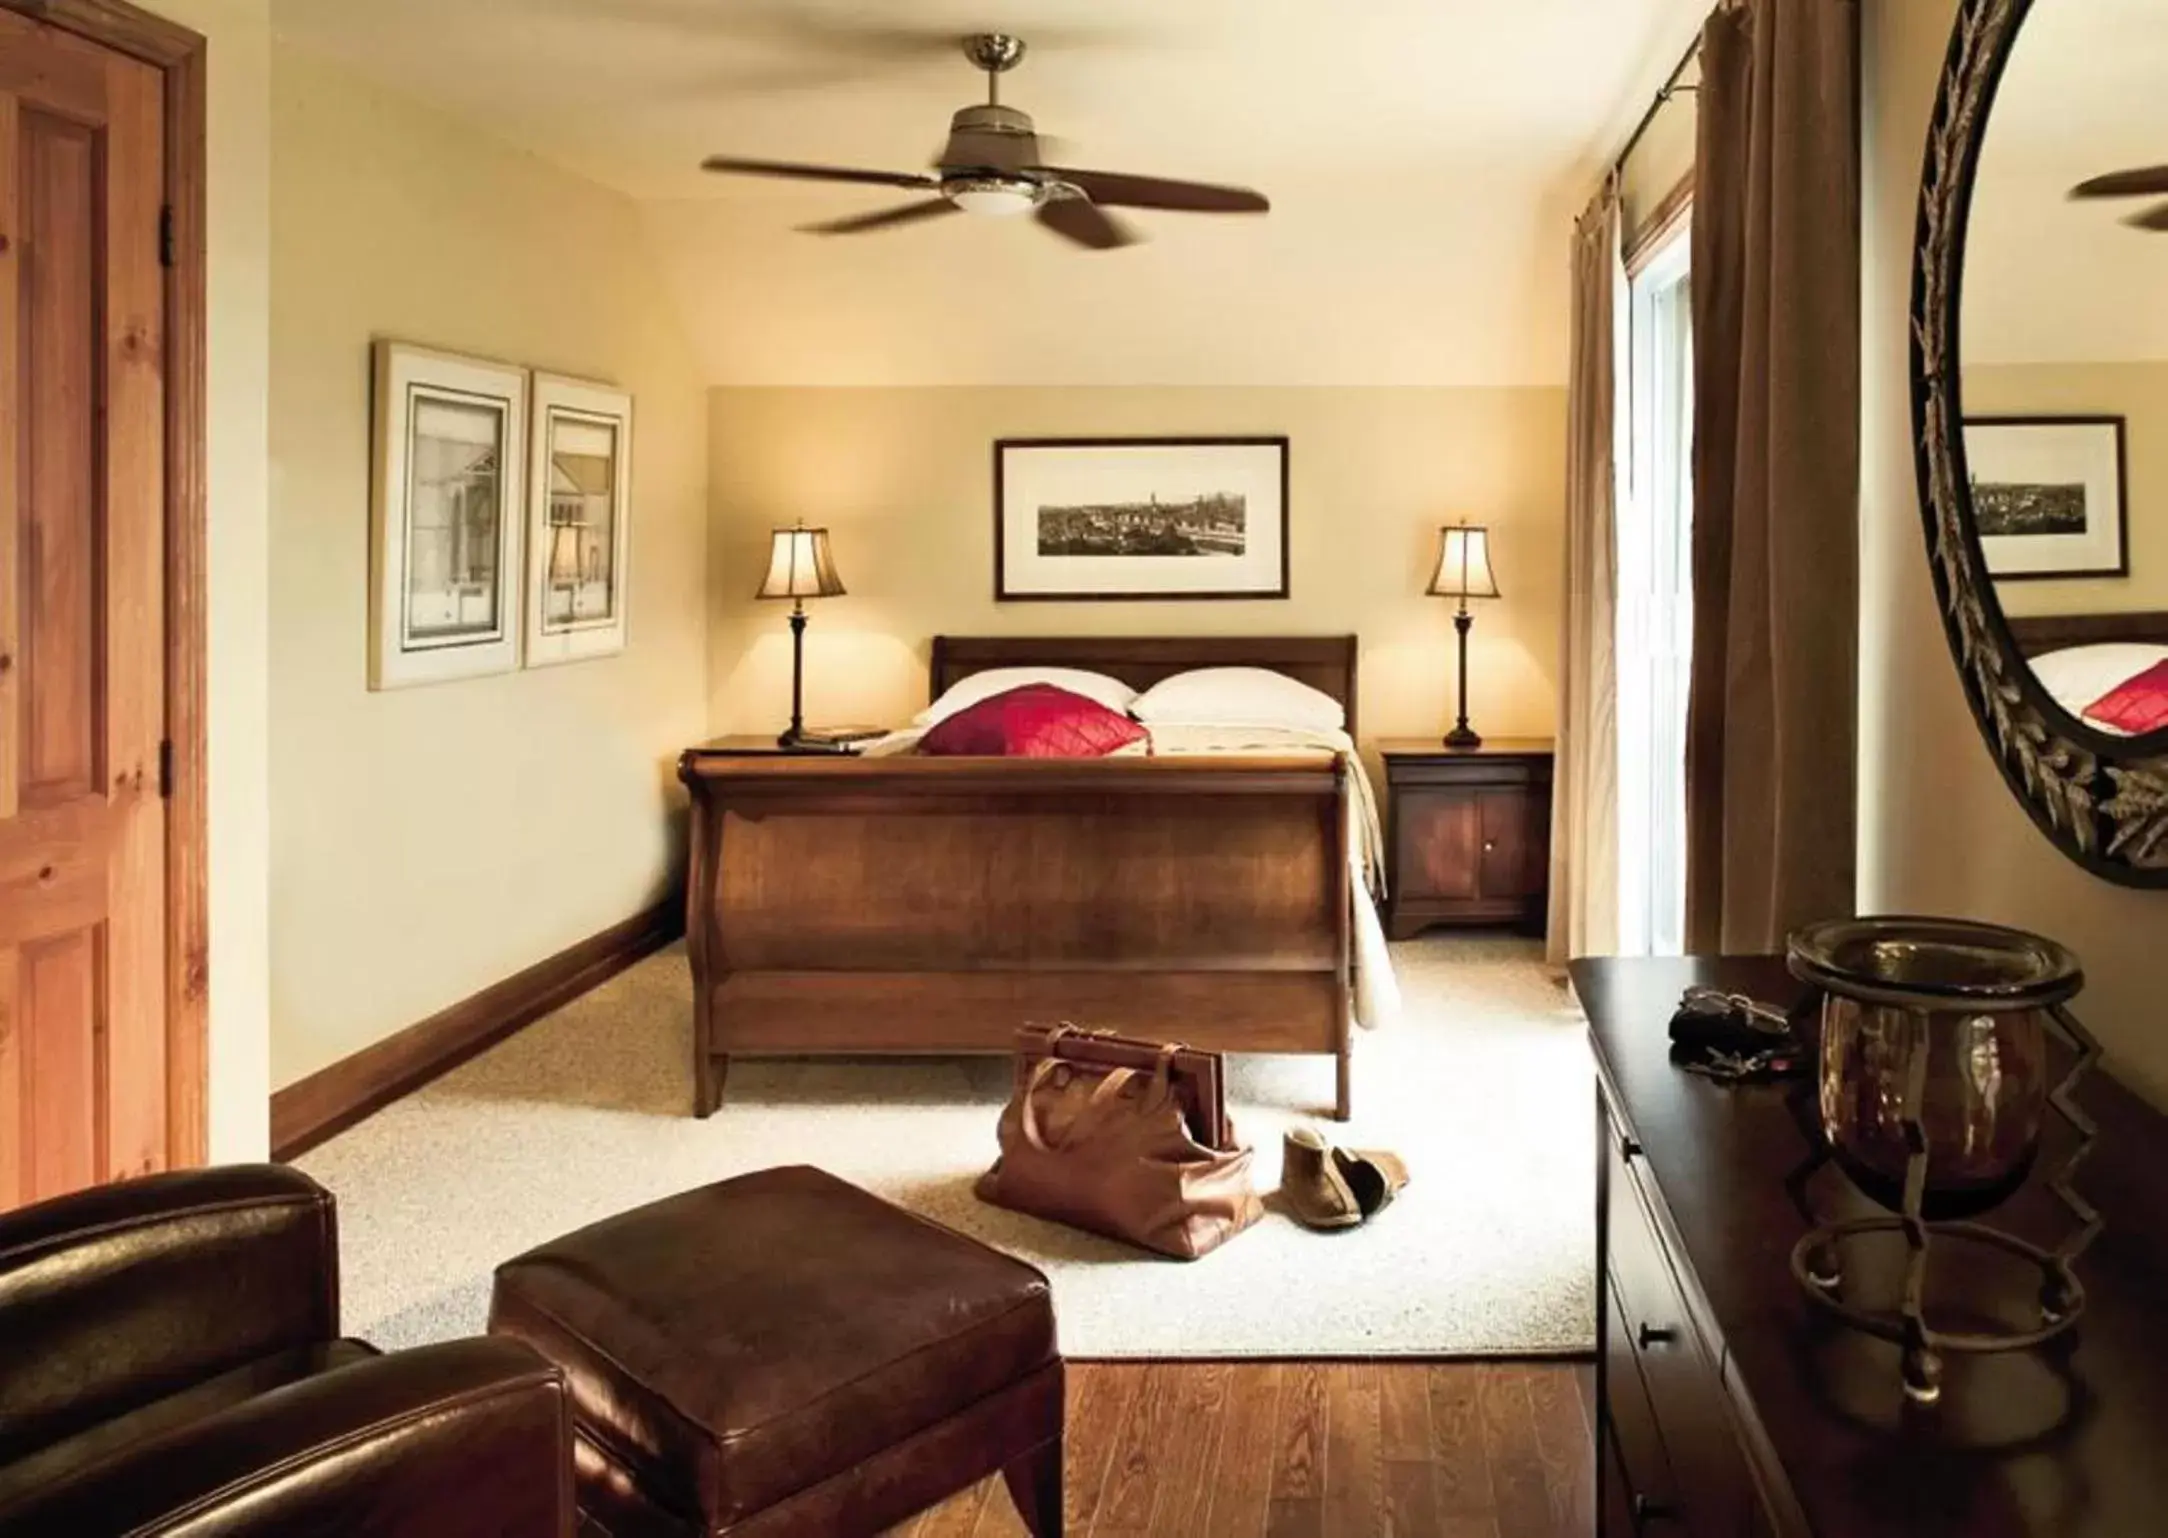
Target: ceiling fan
{"points": [[2152, 182], [991, 165]]}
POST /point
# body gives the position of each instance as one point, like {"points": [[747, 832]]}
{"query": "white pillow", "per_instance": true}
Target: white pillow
{"points": [[1110, 692], [1238, 697], [2079, 675]]}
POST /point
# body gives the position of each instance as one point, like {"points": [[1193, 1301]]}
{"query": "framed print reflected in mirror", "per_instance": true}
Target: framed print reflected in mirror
{"points": [[2048, 495]]}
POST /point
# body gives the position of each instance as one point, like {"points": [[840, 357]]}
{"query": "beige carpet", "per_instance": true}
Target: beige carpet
{"points": [[1485, 1086]]}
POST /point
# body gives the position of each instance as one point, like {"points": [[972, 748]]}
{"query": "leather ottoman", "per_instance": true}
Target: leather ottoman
{"points": [[784, 1354]]}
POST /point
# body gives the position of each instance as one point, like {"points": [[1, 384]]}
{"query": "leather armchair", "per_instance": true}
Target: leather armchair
{"points": [[170, 1363]]}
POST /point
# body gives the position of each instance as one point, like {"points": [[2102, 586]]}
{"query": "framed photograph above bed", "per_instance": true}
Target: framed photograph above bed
{"points": [[1091, 519], [2048, 495]]}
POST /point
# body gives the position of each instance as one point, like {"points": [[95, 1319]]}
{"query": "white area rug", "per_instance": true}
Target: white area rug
{"points": [[1485, 1087]]}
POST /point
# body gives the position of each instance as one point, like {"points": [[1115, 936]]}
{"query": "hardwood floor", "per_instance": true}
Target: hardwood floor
{"points": [[1313, 1450]]}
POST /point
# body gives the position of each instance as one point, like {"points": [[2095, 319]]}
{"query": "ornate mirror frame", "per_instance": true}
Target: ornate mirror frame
{"points": [[2102, 800]]}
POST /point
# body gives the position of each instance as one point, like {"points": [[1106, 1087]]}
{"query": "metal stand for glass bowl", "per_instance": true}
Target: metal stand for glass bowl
{"points": [[1817, 1259]]}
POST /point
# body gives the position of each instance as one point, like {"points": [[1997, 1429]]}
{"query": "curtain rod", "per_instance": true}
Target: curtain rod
{"points": [[1664, 93]]}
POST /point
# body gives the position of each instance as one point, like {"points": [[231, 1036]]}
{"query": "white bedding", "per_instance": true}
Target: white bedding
{"points": [[1377, 991], [2079, 676]]}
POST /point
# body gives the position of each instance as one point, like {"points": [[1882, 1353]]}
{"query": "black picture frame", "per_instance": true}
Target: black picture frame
{"points": [[1005, 593]]}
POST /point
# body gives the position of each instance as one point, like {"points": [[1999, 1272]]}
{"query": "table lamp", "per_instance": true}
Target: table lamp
{"points": [[799, 567], [1464, 572]]}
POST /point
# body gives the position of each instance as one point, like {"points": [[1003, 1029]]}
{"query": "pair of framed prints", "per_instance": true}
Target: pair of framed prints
{"points": [[493, 485]]}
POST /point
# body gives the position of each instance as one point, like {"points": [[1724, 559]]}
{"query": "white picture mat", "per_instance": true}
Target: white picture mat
{"points": [[586, 410], [1036, 476], [2053, 454], [405, 379]]}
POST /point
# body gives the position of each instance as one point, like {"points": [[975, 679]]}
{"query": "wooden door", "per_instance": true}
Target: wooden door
{"points": [[83, 1052]]}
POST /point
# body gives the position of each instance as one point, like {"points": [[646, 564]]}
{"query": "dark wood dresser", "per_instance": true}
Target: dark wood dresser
{"points": [[1729, 1406], [1469, 838]]}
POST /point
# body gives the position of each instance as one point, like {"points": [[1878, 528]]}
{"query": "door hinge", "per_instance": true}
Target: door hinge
{"points": [[165, 235], [165, 770]]}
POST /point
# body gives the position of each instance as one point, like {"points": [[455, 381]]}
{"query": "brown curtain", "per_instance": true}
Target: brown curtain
{"points": [[1770, 728], [1584, 803]]}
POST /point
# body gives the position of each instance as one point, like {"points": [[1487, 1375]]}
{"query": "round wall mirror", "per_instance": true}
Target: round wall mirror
{"points": [[2041, 391]]}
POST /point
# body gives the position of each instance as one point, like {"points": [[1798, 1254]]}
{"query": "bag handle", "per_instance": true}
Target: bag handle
{"points": [[1055, 1034], [1114, 1084]]}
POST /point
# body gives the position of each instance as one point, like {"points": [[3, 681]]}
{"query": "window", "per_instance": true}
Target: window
{"points": [[1655, 602]]}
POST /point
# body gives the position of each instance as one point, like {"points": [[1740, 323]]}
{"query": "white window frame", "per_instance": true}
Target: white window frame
{"points": [[1655, 600]]}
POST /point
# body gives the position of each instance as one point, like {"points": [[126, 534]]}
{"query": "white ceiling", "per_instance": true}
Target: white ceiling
{"points": [[1425, 158], [2048, 278]]}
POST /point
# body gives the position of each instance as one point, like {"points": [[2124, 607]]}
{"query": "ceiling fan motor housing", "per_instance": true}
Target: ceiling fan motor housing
{"points": [[985, 165], [989, 138]]}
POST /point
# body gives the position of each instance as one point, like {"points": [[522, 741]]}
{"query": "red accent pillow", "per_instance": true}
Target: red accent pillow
{"points": [[2136, 705], [1035, 721]]}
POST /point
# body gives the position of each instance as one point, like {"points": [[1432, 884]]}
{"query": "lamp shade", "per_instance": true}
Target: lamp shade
{"points": [[799, 566], [1464, 568]]}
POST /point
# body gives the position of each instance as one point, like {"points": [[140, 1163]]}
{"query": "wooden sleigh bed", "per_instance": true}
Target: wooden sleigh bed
{"points": [[934, 905]]}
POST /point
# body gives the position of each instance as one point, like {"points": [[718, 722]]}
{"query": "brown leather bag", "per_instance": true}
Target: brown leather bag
{"points": [[1093, 1140]]}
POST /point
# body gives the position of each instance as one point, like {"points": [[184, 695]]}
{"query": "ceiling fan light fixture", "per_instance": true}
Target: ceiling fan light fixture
{"points": [[999, 197]]}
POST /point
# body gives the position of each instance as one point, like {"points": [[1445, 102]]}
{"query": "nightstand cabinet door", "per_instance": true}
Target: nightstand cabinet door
{"points": [[1515, 855], [1438, 841], [1470, 836]]}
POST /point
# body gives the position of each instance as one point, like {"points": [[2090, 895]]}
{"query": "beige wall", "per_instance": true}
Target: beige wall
{"points": [[1938, 830], [2136, 391], [904, 479], [1664, 157], [427, 842], [239, 244]]}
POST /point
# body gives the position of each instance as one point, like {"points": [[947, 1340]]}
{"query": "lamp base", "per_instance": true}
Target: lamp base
{"points": [[790, 739], [1461, 737]]}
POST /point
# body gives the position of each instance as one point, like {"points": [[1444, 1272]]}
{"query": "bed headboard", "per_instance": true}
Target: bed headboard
{"points": [[2052, 632], [1324, 662]]}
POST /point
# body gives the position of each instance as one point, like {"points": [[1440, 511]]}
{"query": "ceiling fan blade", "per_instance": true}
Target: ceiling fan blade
{"points": [[1086, 224], [2150, 182], [2154, 219], [887, 218], [731, 165], [1113, 190]]}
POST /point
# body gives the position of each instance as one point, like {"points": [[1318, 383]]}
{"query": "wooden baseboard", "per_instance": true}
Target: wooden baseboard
{"points": [[332, 1099]]}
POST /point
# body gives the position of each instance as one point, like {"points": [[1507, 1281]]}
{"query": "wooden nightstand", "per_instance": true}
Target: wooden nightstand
{"points": [[1468, 835]]}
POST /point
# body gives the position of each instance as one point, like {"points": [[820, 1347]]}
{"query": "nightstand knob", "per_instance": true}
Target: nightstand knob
{"points": [[1647, 1510], [1490, 846]]}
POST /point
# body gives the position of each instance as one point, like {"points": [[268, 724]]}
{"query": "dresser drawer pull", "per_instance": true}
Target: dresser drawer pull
{"points": [[1628, 1150], [1647, 1510], [1657, 1335]]}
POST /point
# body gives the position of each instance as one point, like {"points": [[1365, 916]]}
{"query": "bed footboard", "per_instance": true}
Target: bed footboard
{"points": [[934, 905]]}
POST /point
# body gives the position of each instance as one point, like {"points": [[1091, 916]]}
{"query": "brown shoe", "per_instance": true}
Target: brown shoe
{"points": [[1373, 1175], [1312, 1185]]}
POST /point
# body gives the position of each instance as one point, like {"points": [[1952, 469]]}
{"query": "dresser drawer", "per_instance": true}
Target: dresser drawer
{"points": [[1638, 1465], [1701, 1480]]}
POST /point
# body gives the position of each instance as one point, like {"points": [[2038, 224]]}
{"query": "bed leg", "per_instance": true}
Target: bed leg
{"points": [[710, 1069], [1343, 1105]]}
